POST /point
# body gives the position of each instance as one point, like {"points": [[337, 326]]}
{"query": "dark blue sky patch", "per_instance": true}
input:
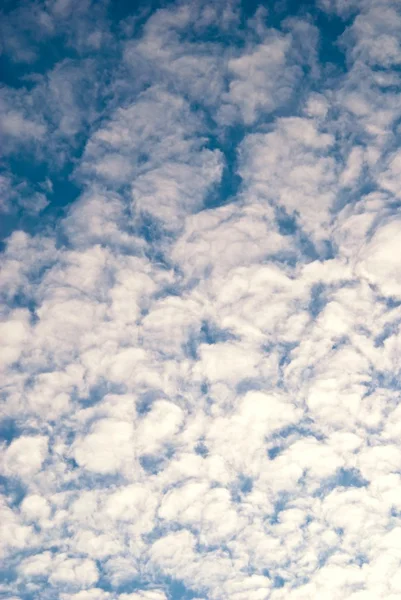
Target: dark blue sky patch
{"points": [[385, 379], [14, 489], [274, 452], [318, 300], [305, 244], [71, 464], [324, 556], [146, 399], [287, 224], [241, 488], [9, 429], [86, 480], [201, 449], [303, 429], [361, 559], [249, 384], [212, 334], [151, 464], [32, 177], [8, 576], [245, 484], [174, 588], [177, 590], [230, 183], [285, 351], [279, 506], [346, 478], [191, 345], [278, 582], [99, 390], [340, 342], [131, 585], [390, 302], [351, 478]]}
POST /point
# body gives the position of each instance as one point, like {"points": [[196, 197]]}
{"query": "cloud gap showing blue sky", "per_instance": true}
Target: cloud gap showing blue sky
{"points": [[200, 282]]}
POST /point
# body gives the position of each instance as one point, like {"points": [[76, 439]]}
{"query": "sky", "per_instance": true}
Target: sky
{"points": [[200, 282]]}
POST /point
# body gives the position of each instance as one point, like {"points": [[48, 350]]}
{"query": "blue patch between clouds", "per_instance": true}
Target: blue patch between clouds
{"points": [[13, 489], [317, 301], [279, 506], [246, 484], [174, 588], [303, 429], [349, 478], [8, 430], [201, 449], [178, 591], [273, 452], [211, 334], [278, 582], [152, 464], [230, 182], [208, 334], [243, 487], [287, 224]]}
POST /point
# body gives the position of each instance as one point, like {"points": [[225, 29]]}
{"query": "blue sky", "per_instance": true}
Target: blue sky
{"points": [[200, 284]]}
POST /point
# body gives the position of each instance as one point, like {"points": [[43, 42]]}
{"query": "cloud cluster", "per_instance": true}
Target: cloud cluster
{"points": [[200, 354]]}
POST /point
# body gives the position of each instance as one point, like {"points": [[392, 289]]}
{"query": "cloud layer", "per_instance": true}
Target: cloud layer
{"points": [[201, 302]]}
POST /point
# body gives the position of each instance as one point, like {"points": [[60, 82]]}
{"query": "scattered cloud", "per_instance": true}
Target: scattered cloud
{"points": [[200, 342]]}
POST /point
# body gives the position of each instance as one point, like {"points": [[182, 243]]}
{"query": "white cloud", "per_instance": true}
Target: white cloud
{"points": [[15, 125], [92, 594], [14, 331], [378, 262], [292, 167], [145, 595], [261, 79], [215, 241], [174, 553], [73, 572], [353, 167], [25, 456], [155, 147], [14, 535], [35, 507], [106, 447]]}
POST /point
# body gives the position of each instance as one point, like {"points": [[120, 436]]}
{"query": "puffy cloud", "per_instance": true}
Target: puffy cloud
{"points": [[106, 447], [15, 536], [261, 79], [293, 168], [35, 507], [73, 572], [24, 456], [378, 262], [14, 331], [92, 594]]}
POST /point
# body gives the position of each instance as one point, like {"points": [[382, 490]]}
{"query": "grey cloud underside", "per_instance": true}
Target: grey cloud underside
{"points": [[200, 387]]}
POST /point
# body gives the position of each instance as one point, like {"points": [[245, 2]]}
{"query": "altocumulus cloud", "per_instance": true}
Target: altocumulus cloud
{"points": [[200, 288]]}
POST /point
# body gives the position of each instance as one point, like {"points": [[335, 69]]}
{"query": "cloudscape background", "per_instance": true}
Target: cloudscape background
{"points": [[201, 300]]}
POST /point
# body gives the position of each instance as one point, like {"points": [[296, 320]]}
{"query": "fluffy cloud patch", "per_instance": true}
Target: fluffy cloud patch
{"points": [[25, 456]]}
